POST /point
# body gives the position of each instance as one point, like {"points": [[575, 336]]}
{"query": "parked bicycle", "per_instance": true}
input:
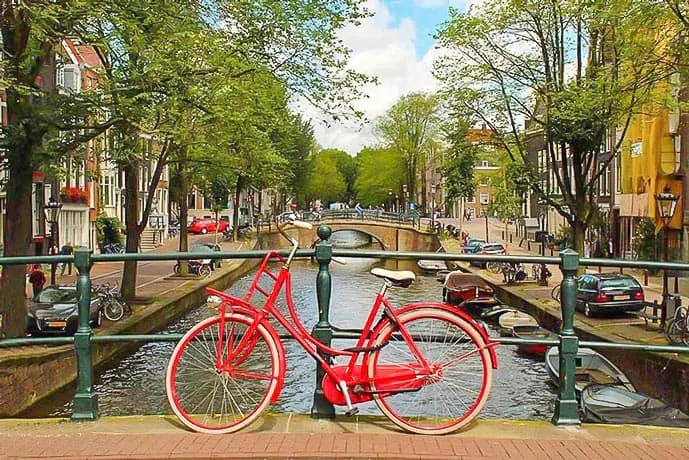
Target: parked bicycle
{"points": [[112, 248], [202, 267], [426, 365], [114, 306], [677, 327], [555, 293]]}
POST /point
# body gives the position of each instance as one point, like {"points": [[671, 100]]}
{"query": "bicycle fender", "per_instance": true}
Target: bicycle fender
{"points": [[462, 314]]}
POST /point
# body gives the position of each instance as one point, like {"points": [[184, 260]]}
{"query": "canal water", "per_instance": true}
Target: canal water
{"points": [[135, 385]]}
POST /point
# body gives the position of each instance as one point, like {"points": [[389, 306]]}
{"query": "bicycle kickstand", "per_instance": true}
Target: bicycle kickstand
{"points": [[351, 410]]}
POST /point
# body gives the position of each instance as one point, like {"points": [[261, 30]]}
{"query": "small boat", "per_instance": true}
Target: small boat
{"points": [[612, 404], [493, 313], [530, 331], [592, 368], [468, 290], [431, 266], [508, 320]]}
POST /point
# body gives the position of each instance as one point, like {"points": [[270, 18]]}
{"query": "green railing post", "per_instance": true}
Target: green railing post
{"points": [[566, 408], [85, 398], [322, 408]]}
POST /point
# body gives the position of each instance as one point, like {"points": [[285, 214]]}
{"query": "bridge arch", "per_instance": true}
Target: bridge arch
{"points": [[373, 237]]}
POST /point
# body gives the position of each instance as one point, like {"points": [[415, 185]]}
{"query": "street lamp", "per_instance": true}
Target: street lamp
{"points": [[390, 199], [666, 203], [406, 197], [52, 214]]}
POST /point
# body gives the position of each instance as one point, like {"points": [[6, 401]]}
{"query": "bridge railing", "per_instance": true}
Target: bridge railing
{"points": [[566, 408], [366, 214]]}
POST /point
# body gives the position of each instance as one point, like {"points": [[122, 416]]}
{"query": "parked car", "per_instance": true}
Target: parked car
{"points": [[489, 249], [204, 226], [473, 245], [55, 310], [609, 293]]}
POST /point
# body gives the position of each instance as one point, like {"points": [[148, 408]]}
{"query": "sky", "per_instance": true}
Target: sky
{"points": [[396, 45]]}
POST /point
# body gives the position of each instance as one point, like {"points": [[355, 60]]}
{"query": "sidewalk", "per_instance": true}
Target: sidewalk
{"points": [[289, 436]]}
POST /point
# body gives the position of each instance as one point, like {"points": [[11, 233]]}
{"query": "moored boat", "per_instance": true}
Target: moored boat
{"points": [[613, 404], [591, 368], [530, 331], [468, 290], [431, 266], [508, 320], [493, 314]]}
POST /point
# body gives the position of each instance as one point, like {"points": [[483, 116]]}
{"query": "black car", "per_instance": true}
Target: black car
{"points": [[608, 292], [55, 310]]}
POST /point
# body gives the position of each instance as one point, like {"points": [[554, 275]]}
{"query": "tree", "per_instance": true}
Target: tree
{"points": [[459, 161], [346, 166], [326, 183], [412, 127], [576, 70], [31, 32], [380, 170]]}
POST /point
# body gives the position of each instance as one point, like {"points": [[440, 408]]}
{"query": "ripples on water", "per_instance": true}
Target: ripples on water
{"points": [[136, 384]]}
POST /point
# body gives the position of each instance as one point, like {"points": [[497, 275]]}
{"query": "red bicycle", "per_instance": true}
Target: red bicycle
{"points": [[428, 366]]}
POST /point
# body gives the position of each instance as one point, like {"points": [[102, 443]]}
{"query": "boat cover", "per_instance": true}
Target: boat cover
{"points": [[612, 404], [458, 281]]}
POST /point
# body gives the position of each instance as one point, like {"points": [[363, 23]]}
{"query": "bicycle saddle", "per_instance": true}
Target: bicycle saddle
{"points": [[402, 278]]}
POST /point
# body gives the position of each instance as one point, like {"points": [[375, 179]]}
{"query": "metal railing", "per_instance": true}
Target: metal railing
{"points": [[566, 408]]}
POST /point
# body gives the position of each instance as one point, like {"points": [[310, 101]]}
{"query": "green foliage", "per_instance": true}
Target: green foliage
{"points": [[645, 241], [109, 231], [459, 161], [505, 203], [326, 182], [411, 128], [346, 166], [380, 171]]}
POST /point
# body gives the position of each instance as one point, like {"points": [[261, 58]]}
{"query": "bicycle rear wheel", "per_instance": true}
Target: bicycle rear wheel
{"points": [[555, 293], [113, 310], [448, 398], [212, 400]]}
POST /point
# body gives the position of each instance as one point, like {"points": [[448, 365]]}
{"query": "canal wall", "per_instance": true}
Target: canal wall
{"points": [[661, 375], [31, 373]]}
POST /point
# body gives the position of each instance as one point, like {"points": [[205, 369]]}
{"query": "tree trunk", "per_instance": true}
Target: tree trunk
{"points": [[183, 217], [131, 215], [17, 242], [578, 236], [684, 157], [235, 211]]}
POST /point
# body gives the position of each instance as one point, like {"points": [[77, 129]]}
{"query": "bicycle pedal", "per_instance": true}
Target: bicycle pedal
{"points": [[352, 412]]}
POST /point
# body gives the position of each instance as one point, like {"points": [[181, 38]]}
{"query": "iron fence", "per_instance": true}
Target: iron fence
{"points": [[566, 408]]}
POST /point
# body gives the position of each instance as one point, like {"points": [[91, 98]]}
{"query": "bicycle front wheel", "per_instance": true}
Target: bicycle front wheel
{"points": [[224, 398], [454, 392], [113, 310], [493, 267], [555, 293]]}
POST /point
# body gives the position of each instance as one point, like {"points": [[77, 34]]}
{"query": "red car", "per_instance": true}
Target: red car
{"points": [[204, 226]]}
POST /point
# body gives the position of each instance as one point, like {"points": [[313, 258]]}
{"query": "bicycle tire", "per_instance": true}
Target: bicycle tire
{"points": [[204, 271], [408, 409], [672, 332], [493, 267], [555, 293], [113, 310], [192, 368]]}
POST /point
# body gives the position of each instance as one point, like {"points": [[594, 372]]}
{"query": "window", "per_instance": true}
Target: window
{"points": [[484, 163], [107, 191], [483, 181], [470, 199], [485, 198], [71, 225]]}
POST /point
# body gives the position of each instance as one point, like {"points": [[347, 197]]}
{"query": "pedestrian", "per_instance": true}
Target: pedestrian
{"points": [[587, 248], [359, 211], [37, 280], [67, 250]]}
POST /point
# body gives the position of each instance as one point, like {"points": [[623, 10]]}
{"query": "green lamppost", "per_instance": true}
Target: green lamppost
{"points": [[52, 214], [666, 204]]}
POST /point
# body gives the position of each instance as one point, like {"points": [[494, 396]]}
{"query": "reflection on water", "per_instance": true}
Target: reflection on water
{"points": [[136, 384]]}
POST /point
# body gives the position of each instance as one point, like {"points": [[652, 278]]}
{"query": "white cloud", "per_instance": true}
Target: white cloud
{"points": [[388, 52], [429, 3]]}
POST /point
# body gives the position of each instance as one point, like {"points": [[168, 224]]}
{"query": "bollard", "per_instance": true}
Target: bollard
{"points": [[503, 235], [645, 277], [600, 269], [85, 398], [551, 251], [566, 408], [322, 408], [510, 238]]}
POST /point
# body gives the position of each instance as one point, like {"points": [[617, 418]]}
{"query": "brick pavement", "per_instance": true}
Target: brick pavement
{"points": [[139, 438]]}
